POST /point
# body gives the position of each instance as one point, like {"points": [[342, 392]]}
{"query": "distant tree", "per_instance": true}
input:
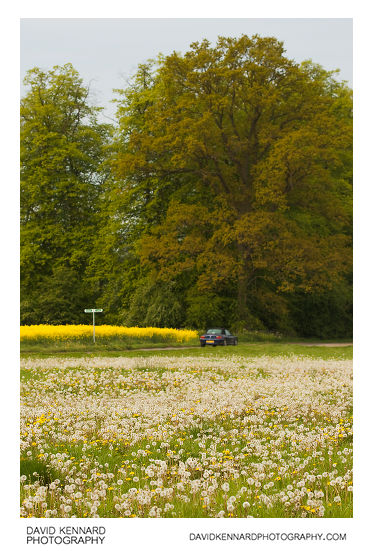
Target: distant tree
{"points": [[62, 152], [233, 170]]}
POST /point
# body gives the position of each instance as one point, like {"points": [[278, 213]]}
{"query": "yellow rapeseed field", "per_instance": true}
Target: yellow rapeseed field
{"points": [[76, 332]]}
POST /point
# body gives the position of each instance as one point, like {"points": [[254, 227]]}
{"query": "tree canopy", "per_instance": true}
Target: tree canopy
{"points": [[227, 195], [62, 151], [235, 164]]}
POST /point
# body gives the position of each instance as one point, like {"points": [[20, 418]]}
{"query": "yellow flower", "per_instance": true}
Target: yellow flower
{"points": [[76, 332]]}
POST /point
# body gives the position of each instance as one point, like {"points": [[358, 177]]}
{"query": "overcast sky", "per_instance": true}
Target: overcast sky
{"points": [[107, 51]]}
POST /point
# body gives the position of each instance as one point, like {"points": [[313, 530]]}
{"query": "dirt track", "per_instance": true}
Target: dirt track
{"points": [[330, 344]]}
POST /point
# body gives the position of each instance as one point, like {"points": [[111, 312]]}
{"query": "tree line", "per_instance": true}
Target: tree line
{"points": [[221, 195]]}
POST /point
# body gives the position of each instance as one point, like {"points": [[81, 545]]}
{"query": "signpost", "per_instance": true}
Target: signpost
{"points": [[93, 311]]}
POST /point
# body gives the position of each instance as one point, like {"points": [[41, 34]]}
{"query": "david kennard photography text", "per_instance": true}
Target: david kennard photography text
{"points": [[65, 534]]}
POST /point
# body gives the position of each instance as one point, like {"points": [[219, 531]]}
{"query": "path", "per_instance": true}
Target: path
{"points": [[328, 344]]}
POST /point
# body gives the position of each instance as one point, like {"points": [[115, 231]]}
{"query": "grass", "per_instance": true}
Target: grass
{"points": [[244, 349], [35, 469], [101, 346]]}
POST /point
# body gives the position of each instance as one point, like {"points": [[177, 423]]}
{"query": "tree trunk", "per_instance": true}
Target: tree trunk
{"points": [[242, 296]]}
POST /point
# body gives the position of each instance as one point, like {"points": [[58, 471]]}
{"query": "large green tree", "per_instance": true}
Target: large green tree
{"points": [[233, 168], [63, 147]]}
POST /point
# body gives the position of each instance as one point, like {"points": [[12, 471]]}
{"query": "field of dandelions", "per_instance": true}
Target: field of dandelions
{"points": [[186, 437]]}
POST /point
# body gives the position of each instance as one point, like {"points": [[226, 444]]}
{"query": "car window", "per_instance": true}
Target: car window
{"points": [[227, 332], [214, 332]]}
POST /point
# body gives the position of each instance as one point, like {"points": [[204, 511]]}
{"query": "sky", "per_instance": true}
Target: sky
{"points": [[106, 52]]}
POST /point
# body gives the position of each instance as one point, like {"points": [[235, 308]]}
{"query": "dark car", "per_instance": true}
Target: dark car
{"points": [[218, 337]]}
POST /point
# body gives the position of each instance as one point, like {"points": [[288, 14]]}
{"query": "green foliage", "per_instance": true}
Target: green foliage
{"points": [[62, 151], [62, 298], [233, 168], [155, 306], [225, 197], [326, 316]]}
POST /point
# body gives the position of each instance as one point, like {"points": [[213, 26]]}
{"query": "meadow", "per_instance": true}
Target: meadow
{"points": [[246, 431]]}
